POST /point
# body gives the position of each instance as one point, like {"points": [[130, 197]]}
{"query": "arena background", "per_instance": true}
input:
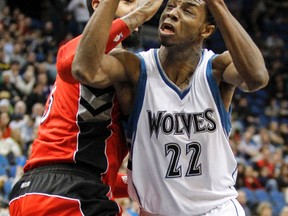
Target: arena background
{"points": [[31, 32]]}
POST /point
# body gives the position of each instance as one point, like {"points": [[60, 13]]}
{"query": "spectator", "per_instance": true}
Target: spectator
{"points": [[50, 66], [37, 96], [251, 179], [248, 147], [284, 131], [284, 211], [37, 112], [8, 145], [266, 180], [4, 124], [265, 160], [264, 209], [18, 54], [282, 179], [4, 60], [5, 106], [262, 138], [274, 41], [8, 89], [79, 10], [25, 83]]}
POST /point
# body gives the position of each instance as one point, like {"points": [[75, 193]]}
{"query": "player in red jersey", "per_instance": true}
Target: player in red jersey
{"points": [[74, 162]]}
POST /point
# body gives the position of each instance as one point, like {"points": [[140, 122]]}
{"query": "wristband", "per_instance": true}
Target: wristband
{"points": [[119, 31]]}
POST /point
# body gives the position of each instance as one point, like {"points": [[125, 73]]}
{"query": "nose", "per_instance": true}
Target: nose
{"points": [[135, 4], [173, 14], [133, 8]]}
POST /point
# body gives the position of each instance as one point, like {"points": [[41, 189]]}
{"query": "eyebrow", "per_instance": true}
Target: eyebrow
{"points": [[192, 4]]}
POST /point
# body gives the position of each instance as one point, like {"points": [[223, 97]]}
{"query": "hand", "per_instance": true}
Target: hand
{"points": [[144, 12], [149, 7]]}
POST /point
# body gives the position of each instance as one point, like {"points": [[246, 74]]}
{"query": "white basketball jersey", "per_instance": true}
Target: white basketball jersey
{"points": [[181, 160]]}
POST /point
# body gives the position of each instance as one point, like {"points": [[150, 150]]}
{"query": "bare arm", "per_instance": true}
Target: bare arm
{"points": [[245, 64], [91, 66]]}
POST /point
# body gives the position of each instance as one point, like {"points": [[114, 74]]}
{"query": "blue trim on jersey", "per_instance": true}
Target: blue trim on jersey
{"points": [[139, 98], [235, 207], [225, 116], [233, 174], [180, 93]]}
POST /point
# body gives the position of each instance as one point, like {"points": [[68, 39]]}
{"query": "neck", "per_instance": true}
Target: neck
{"points": [[179, 65]]}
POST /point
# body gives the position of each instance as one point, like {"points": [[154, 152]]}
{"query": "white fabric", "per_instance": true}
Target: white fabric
{"points": [[178, 169]]}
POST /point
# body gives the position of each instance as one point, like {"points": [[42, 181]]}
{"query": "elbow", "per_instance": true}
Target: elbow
{"points": [[78, 72], [259, 81]]}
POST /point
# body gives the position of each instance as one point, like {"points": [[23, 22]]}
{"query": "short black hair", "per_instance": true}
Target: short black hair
{"points": [[89, 6]]}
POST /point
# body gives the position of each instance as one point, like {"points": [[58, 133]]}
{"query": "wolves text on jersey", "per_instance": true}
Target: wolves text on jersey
{"points": [[181, 123]]}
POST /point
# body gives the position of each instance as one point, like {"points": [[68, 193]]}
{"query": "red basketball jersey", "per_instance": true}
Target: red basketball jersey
{"points": [[80, 124]]}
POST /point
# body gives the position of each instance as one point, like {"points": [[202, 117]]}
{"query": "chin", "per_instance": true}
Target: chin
{"points": [[166, 43]]}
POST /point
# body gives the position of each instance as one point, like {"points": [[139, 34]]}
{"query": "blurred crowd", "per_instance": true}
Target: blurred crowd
{"points": [[31, 36]]}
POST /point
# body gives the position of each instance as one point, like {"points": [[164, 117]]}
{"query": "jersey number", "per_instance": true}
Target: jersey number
{"points": [[174, 169], [48, 105]]}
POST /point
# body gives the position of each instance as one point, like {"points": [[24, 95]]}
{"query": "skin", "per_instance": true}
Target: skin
{"points": [[125, 7], [182, 30]]}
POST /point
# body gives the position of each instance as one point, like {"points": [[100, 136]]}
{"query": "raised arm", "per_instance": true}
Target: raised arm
{"points": [[251, 73], [88, 63]]}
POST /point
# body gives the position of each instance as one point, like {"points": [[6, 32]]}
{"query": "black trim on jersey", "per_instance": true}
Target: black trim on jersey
{"points": [[92, 144], [97, 111], [99, 92], [93, 133]]}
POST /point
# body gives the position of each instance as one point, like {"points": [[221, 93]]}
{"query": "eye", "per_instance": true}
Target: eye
{"points": [[170, 6], [188, 11], [128, 1]]}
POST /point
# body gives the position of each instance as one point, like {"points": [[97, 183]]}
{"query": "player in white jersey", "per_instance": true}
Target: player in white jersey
{"points": [[180, 160], [182, 135]]}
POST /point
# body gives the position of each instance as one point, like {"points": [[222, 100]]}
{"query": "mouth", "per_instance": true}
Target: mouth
{"points": [[167, 28]]}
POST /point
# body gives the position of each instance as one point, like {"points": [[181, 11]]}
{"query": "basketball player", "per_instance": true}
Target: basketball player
{"points": [[75, 159], [181, 162]]}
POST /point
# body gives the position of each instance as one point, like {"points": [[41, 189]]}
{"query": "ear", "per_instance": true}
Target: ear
{"points": [[207, 31], [95, 3]]}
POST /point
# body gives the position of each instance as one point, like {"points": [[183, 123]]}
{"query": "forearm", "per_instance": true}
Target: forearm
{"points": [[67, 52], [246, 56], [93, 43], [89, 65]]}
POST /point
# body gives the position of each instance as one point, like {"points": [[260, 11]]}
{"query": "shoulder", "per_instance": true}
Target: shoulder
{"points": [[65, 58], [220, 63]]}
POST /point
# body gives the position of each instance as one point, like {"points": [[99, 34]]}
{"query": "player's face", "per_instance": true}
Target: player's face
{"points": [[183, 22], [125, 7]]}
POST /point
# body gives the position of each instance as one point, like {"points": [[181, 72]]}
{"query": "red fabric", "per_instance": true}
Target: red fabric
{"points": [[270, 166], [119, 31], [252, 183], [117, 34], [7, 132], [57, 140], [35, 203], [120, 189]]}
